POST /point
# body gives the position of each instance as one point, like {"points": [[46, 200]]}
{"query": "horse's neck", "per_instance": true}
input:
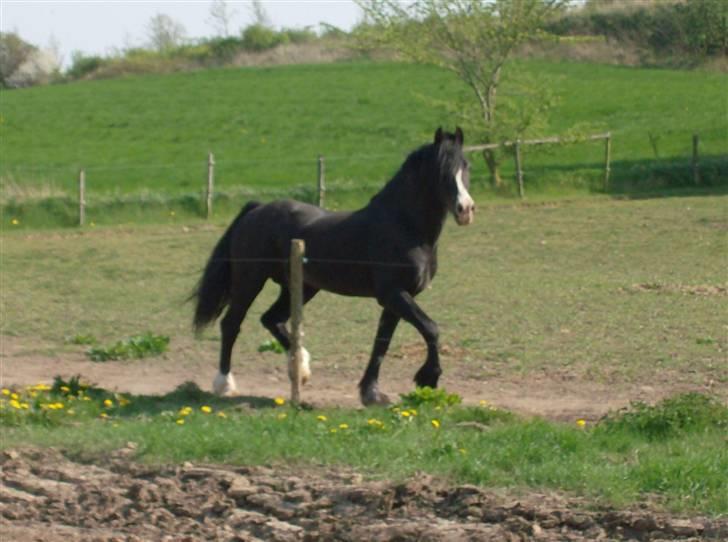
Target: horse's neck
{"points": [[423, 213]]}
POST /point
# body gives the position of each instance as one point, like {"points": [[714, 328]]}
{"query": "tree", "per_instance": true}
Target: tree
{"points": [[165, 33], [474, 39], [13, 53], [220, 17]]}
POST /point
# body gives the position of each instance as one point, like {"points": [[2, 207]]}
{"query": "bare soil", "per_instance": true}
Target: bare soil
{"points": [[47, 496], [563, 394]]}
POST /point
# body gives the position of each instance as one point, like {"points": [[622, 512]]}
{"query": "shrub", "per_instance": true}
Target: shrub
{"points": [[83, 65], [258, 37]]}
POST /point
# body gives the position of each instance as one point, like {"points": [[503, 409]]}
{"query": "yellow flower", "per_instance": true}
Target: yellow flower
{"points": [[483, 402], [405, 414], [15, 221], [25, 406], [65, 389], [181, 421], [282, 416], [581, 422], [59, 406], [321, 418], [343, 426], [413, 411], [14, 403], [221, 414], [123, 401], [108, 403], [40, 387], [171, 213], [463, 451], [333, 430], [6, 391], [103, 415], [435, 424], [206, 409], [71, 412], [185, 411], [280, 401], [374, 422], [14, 396]]}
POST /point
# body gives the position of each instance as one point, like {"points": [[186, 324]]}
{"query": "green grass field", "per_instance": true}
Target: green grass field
{"points": [[144, 140]]}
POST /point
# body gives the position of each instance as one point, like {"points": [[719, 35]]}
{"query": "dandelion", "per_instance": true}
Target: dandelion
{"points": [[108, 403], [6, 391], [321, 418], [374, 422], [435, 424], [65, 389], [14, 403], [581, 423], [343, 426], [221, 414], [24, 406], [280, 401], [483, 403], [14, 396], [71, 412], [282, 416], [185, 411], [171, 213], [15, 221], [405, 413], [123, 401], [413, 412], [180, 421], [206, 409], [40, 387], [103, 415], [333, 430]]}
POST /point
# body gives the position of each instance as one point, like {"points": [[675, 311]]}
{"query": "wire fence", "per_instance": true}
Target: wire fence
{"points": [[284, 176]]}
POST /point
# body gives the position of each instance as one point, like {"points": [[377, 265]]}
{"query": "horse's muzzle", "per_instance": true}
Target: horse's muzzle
{"points": [[464, 213]]}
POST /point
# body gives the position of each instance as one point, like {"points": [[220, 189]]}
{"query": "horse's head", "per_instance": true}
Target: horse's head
{"points": [[454, 175]]}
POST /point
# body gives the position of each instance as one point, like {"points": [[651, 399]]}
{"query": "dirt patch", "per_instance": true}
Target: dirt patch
{"points": [[47, 496], [557, 394], [699, 289]]}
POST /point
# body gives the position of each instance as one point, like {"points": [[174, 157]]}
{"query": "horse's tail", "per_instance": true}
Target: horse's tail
{"points": [[213, 291]]}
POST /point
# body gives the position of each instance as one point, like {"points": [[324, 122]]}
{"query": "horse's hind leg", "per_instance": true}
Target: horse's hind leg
{"points": [[242, 297], [369, 386], [275, 318]]}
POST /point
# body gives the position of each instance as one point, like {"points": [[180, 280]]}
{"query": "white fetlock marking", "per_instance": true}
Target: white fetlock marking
{"points": [[224, 384], [305, 365]]}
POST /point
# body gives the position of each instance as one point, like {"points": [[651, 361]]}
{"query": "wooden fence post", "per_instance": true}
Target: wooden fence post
{"points": [[295, 359], [81, 197], [210, 183], [519, 171], [696, 169], [321, 182], [607, 158]]}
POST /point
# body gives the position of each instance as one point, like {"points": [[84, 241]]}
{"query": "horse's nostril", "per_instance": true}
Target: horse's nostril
{"points": [[459, 208]]}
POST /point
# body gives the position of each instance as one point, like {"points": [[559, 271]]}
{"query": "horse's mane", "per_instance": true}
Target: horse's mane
{"points": [[400, 183]]}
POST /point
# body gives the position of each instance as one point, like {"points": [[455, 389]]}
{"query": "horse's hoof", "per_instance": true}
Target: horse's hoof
{"points": [[305, 365], [224, 385], [374, 397]]}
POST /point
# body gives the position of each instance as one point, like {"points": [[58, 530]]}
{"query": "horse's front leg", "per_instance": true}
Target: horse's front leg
{"points": [[369, 386], [403, 305]]}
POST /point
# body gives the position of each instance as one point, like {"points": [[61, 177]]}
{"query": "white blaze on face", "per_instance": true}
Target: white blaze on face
{"points": [[464, 204]]}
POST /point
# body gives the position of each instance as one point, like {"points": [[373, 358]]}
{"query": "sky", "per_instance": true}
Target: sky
{"points": [[100, 26]]}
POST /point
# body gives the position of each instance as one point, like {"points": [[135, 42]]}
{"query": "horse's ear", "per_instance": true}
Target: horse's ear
{"points": [[438, 136], [459, 138]]}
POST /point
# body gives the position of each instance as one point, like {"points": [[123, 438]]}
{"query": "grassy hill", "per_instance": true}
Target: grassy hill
{"points": [[150, 135]]}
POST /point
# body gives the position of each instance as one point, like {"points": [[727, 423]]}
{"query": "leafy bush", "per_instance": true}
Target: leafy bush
{"points": [[689, 412], [271, 346], [83, 65], [438, 397], [138, 346], [258, 37]]}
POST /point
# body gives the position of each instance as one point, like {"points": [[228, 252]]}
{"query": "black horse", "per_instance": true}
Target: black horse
{"points": [[387, 250]]}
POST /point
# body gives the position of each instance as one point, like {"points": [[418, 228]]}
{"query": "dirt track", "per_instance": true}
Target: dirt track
{"points": [[47, 496]]}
